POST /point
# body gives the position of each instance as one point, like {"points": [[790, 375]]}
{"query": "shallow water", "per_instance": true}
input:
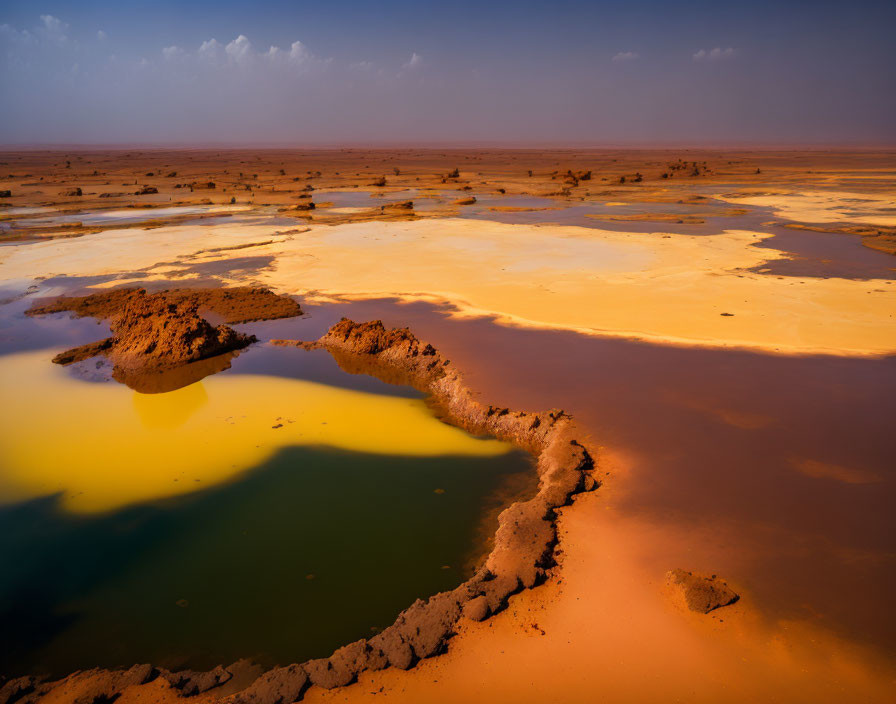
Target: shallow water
{"points": [[27, 210], [312, 549], [775, 472], [816, 254], [121, 215], [275, 511]]}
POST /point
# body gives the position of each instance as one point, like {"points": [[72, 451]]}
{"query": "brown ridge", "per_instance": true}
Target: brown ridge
{"points": [[521, 558]]}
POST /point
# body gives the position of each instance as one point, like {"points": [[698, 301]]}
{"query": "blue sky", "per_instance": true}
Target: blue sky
{"points": [[460, 72]]}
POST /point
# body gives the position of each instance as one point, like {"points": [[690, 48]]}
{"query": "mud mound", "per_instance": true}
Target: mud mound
{"points": [[154, 334], [523, 550], [242, 304], [399, 205], [703, 594]]}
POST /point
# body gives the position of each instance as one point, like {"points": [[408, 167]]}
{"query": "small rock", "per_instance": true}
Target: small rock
{"points": [[282, 685], [476, 609], [191, 683], [703, 594]]}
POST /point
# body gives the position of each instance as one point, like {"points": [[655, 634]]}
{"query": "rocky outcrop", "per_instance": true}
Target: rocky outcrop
{"points": [[159, 332], [191, 682], [703, 594], [95, 686], [281, 685], [152, 333], [398, 206], [524, 542], [22, 689]]}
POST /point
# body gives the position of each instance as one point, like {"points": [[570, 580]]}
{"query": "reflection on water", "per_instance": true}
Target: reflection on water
{"points": [[101, 446], [778, 472], [821, 254], [247, 515], [119, 216], [313, 549], [161, 411]]}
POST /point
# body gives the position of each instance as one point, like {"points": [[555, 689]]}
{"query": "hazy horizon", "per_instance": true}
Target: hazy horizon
{"points": [[349, 75]]}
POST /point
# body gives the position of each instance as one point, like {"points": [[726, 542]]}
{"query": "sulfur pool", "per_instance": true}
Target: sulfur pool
{"points": [[248, 515]]}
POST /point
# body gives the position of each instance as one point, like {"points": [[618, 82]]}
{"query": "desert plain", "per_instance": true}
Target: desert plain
{"points": [[720, 326]]}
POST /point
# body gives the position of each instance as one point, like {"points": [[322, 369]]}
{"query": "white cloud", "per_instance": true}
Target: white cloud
{"points": [[299, 54], [209, 50], [717, 54], [53, 28], [170, 53], [53, 24], [239, 50], [12, 34], [24, 47], [414, 62], [624, 56]]}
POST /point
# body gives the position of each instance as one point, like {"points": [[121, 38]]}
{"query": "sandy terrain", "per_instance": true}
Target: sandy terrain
{"points": [[590, 280], [593, 280], [607, 623]]}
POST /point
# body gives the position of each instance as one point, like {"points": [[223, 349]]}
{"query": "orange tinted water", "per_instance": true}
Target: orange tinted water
{"points": [[777, 472]]}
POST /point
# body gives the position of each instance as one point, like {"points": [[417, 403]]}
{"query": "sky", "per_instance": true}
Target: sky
{"points": [[268, 72]]}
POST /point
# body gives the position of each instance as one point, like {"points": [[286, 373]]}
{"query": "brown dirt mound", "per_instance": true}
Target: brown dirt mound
{"points": [[241, 304], [399, 205], [703, 594], [524, 543], [165, 331]]}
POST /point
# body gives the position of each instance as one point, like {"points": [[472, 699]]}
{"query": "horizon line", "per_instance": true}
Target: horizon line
{"points": [[453, 144]]}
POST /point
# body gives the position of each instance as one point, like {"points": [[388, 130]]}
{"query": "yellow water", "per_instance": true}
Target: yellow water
{"points": [[102, 446]]}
